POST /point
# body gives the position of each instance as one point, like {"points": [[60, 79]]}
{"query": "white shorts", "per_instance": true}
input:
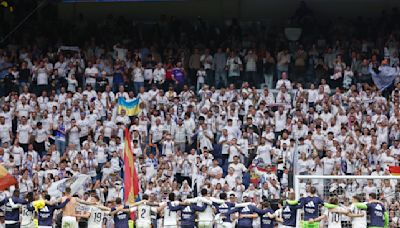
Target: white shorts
{"points": [[143, 224], [205, 224], [30, 225], [170, 224], [359, 226], [225, 225], [69, 222], [45, 227]]}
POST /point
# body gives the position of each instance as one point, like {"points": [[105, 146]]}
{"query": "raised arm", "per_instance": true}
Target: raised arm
{"points": [[62, 205]]}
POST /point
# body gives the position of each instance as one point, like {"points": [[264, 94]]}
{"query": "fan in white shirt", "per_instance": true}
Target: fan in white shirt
{"points": [[284, 82], [91, 72], [237, 167]]}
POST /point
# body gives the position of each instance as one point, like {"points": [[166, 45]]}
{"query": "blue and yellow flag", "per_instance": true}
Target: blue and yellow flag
{"points": [[131, 107]]}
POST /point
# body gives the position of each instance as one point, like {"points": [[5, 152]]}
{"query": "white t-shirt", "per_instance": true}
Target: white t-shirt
{"points": [[91, 73], [159, 74], [42, 77], [334, 218], [96, 218], [138, 75], [358, 222], [238, 168], [27, 217], [329, 163], [84, 126], [23, 133], [264, 151], [207, 215], [5, 133], [156, 132], [144, 213], [170, 217], [319, 140]]}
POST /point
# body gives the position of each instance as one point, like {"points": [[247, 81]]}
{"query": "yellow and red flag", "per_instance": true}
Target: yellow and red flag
{"points": [[6, 180], [394, 170], [131, 181]]}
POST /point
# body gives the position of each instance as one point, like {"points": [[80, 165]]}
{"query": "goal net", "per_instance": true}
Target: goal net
{"points": [[344, 188]]}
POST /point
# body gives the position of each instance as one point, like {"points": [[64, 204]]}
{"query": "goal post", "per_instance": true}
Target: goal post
{"points": [[344, 187]]}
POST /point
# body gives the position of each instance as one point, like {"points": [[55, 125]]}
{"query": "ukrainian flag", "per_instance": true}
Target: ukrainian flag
{"points": [[131, 107]]}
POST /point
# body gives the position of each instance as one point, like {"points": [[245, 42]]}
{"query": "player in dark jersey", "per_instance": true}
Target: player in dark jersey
{"points": [[311, 205], [247, 213], [11, 213], [378, 216], [121, 214], [45, 214], [289, 211], [222, 210], [267, 216], [188, 213]]}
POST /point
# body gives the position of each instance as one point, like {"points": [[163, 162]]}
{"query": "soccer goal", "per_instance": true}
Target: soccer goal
{"points": [[344, 188]]}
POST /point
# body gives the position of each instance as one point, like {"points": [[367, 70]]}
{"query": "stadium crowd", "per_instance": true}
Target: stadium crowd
{"points": [[239, 120]]}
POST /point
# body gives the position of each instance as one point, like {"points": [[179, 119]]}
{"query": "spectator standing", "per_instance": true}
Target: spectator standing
{"points": [[234, 67], [220, 68], [206, 61]]}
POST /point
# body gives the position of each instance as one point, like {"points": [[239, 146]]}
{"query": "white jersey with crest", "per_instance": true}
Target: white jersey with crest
{"points": [[27, 217], [96, 218], [334, 218], [278, 214], [144, 213], [207, 215], [358, 222], [170, 217]]}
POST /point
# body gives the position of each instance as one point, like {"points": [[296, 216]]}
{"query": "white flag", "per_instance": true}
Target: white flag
{"points": [[77, 183]]}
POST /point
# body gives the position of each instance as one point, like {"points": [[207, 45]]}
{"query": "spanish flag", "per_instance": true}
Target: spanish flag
{"points": [[131, 107], [6, 180], [394, 170], [131, 181]]}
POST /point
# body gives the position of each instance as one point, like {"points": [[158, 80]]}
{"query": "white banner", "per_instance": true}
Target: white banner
{"points": [[77, 183]]}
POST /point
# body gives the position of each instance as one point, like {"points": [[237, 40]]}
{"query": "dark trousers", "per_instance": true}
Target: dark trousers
{"points": [[24, 146], [40, 148], [16, 225], [252, 155], [82, 139], [210, 77]]}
